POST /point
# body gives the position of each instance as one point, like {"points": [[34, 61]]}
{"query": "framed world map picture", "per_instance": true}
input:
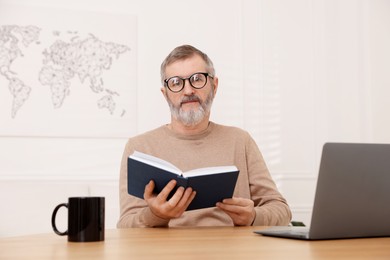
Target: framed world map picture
{"points": [[68, 73]]}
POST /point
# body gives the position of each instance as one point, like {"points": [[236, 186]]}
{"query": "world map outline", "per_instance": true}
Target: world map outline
{"points": [[86, 58]]}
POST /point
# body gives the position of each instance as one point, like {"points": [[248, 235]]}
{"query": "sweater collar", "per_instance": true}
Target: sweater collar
{"points": [[196, 136]]}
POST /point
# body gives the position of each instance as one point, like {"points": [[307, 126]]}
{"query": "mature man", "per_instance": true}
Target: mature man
{"points": [[191, 141]]}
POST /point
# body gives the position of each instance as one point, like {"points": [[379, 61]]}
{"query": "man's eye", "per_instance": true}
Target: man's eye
{"points": [[175, 82], [195, 78]]}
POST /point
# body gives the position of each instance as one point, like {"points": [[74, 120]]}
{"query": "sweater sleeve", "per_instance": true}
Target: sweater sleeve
{"points": [[270, 206]]}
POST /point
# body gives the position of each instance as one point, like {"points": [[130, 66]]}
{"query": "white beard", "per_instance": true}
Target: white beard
{"points": [[194, 116]]}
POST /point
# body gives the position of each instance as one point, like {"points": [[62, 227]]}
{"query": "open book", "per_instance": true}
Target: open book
{"points": [[212, 184]]}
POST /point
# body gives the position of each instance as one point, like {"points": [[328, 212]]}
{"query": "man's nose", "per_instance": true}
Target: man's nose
{"points": [[188, 89]]}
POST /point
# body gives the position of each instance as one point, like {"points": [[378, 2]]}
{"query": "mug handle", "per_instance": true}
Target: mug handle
{"points": [[53, 220]]}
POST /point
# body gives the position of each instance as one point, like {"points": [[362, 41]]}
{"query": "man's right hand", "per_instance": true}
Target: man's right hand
{"points": [[172, 208]]}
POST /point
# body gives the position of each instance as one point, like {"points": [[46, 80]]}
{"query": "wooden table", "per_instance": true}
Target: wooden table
{"points": [[191, 243]]}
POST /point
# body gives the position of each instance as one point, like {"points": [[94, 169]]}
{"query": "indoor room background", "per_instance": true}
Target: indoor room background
{"points": [[294, 74]]}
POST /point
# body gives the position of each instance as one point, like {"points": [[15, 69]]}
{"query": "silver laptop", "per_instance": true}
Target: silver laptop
{"points": [[352, 198]]}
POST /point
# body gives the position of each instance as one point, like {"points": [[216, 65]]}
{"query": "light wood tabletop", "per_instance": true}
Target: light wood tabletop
{"points": [[191, 243]]}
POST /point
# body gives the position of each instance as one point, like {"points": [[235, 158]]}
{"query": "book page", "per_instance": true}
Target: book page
{"points": [[209, 170], [156, 162]]}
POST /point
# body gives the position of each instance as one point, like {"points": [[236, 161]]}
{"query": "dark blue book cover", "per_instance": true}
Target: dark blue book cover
{"points": [[211, 184]]}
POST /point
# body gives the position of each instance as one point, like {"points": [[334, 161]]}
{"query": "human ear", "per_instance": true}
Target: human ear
{"points": [[215, 80], [164, 92]]}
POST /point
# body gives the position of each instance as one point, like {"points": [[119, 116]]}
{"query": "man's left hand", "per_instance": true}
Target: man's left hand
{"points": [[240, 210]]}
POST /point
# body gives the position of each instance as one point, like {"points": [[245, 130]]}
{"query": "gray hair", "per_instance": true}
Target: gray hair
{"points": [[184, 52]]}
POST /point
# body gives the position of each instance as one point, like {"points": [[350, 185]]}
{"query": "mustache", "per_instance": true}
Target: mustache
{"points": [[190, 99]]}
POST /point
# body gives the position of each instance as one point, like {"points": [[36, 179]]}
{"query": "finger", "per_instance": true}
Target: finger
{"points": [[232, 208], [235, 201], [187, 198], [176, 198], [190, 199], [148, 192], [184, 202], [167, 190], [226, 207]]}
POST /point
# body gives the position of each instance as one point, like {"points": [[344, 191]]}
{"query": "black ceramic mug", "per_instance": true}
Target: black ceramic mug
{"points": [[85, 219]]}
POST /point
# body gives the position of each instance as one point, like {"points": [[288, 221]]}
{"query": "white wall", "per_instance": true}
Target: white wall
{"points": [[293, 73]]}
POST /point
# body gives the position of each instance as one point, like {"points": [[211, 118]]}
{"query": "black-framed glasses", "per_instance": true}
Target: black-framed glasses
{"points": [[197, 80]]}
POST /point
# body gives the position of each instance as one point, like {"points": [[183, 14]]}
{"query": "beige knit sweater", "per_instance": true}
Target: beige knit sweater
{"points": [[216, 146]]}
